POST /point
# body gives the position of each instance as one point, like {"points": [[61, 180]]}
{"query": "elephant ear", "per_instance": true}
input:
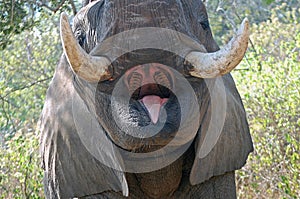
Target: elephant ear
{"points": [[69, 168], [223, 142]]}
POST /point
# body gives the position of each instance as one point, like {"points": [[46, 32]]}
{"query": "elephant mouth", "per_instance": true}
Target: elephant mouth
{"points": [[153, 104], [150, 87], [153, 107], [152, 97], [157, 109], [146, 112]]}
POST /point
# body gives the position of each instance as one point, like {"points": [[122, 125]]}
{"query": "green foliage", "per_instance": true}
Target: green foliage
{"points": [[20, 171], [226, 15], [15, 18], [26, 68], [28, 64], [268, 1], [271, 97]]}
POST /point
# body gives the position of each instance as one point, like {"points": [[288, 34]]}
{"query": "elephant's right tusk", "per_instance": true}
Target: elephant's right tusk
{"points": [[87, 67]]}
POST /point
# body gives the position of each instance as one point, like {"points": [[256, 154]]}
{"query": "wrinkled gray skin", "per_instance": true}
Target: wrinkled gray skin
{"points": [[71, 171]]}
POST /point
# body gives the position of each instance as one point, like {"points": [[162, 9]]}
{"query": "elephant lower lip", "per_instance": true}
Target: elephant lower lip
{"points": [[153, 104]]}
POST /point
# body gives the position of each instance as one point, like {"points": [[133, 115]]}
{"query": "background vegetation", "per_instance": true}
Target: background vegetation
{"points": [[268, 80]]}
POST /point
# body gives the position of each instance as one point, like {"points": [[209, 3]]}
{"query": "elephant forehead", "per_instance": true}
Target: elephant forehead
{"points": [[112, 17]]}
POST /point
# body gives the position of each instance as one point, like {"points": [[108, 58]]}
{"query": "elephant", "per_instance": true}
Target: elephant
{"points": [[142, 104]]}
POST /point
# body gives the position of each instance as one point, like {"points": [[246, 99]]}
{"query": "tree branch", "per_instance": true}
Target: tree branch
{"points": [[6, 115], [73, 7], [250, 41], [42, 4], [26, 177], [4, 100], [26, 86]]}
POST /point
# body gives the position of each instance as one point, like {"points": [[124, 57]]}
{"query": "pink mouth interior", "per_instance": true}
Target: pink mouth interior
{"points": [[153, 104]]}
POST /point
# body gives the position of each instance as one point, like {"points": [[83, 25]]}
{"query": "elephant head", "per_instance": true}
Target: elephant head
{"points": [[142, 96]]}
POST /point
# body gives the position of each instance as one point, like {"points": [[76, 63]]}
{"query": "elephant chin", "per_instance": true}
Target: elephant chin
{"points": [[170, 175]]}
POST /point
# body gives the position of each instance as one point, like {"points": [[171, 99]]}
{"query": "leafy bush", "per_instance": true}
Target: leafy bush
{"points": [[271, 97], [20, 171], [226, 15], [28, 64]]}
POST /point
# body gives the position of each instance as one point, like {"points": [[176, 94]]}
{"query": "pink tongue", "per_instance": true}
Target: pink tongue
{"points": [[153, 103]]}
